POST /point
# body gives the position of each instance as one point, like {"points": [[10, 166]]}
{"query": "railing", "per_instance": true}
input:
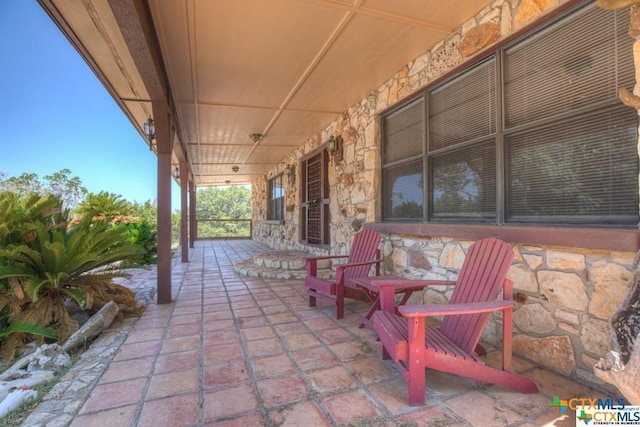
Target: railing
{"points": [[210, 228]]}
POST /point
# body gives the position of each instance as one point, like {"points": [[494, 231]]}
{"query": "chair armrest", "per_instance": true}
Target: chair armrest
{"points": [[381, 283], [428, 310], [317, 258]]}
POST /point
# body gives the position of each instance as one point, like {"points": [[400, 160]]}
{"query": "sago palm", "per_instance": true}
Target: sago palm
{"points": [[38, 275]]}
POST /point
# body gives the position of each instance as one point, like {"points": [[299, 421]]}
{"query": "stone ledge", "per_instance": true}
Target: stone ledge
{"points": [[285, 265]]}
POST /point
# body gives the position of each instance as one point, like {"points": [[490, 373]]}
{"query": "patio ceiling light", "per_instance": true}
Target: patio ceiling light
{"points": [[150, 130], [235, 169], [256, 137]]}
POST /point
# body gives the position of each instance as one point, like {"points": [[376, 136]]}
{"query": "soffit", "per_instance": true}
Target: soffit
{"points": [[282, 68]]}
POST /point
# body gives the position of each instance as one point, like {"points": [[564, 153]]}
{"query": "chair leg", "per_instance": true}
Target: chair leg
{"points": [[339, 302], [312, 299], [417, 361]]}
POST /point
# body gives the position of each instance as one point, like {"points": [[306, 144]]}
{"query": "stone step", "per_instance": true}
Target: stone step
{"points": [[286, 265]]}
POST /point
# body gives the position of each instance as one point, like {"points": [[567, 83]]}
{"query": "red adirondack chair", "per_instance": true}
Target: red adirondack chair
{"points": [[414, 346], [364, 254]]}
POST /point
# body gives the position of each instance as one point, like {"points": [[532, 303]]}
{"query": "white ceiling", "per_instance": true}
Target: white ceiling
{"points": [[282, 68]]}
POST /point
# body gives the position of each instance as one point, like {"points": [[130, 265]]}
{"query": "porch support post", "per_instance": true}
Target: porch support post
{"points": [[184, 212], [192, 213], [163, 141]]}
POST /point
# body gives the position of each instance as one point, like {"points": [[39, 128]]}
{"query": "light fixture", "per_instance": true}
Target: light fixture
{"points": [[256, 137], [235, 169], [227, 182], [150, 131], [334, 148], [176, 173], [291, 174]]}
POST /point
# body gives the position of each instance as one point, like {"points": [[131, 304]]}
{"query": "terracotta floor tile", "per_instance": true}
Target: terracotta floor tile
{"points": [[185, 330], [114, 417], [393, 395], [351, 407], [355, 349], [445, 385], [282, 318], [171, 345], [212, 300], [228, 402], [248, 312], [185, 319], [187, 310], [481, 410], [431, 416], [219, 325], [369, 370], [278, 308], [177, 361], [262, 332], [242, 421], [282, 390], [266, 347], [301, 341], [553, 384], [171, 411], [172, 383], [147, 334], [285, 329], [127, 369], [248, 303], [273, 365], [334, 336], [251, 322], [220, 337], [218, 353], [331, 379], [137, 350], [322, 324], [212, 316], [314, 358], [229, 372], [312, 313], [524, 404], [112, 395], [302, 414]]}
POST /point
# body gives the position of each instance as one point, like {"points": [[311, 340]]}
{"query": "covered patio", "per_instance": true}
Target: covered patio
{"points": [[369, 114], [233, 350]]}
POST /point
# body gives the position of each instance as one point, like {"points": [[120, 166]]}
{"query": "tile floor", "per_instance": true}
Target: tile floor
{"points": [[238, 351]]}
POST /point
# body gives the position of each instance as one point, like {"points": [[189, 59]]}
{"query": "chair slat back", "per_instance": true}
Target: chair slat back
{"points": [[482, 276], [363, 248]]}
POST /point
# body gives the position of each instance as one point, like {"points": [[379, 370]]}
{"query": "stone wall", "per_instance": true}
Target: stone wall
{"points": [[566, 295]]}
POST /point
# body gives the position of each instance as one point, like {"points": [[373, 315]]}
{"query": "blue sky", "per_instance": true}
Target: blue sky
{"points": [[55, 114]]}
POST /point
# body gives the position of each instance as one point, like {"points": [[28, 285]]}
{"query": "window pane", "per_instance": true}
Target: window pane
{"points": [[402, 192], [464, 184], [276, 199], [464, 109], [581, 60], [404, 133], [577, 171]]}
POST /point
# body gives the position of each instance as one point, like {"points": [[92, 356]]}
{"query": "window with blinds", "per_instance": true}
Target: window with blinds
{"points": [[535, 133], [275, 211]]}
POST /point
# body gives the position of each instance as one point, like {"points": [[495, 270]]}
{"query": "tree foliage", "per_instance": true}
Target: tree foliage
{"points": [[61, 184], [233, 202], [224, 202]]}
